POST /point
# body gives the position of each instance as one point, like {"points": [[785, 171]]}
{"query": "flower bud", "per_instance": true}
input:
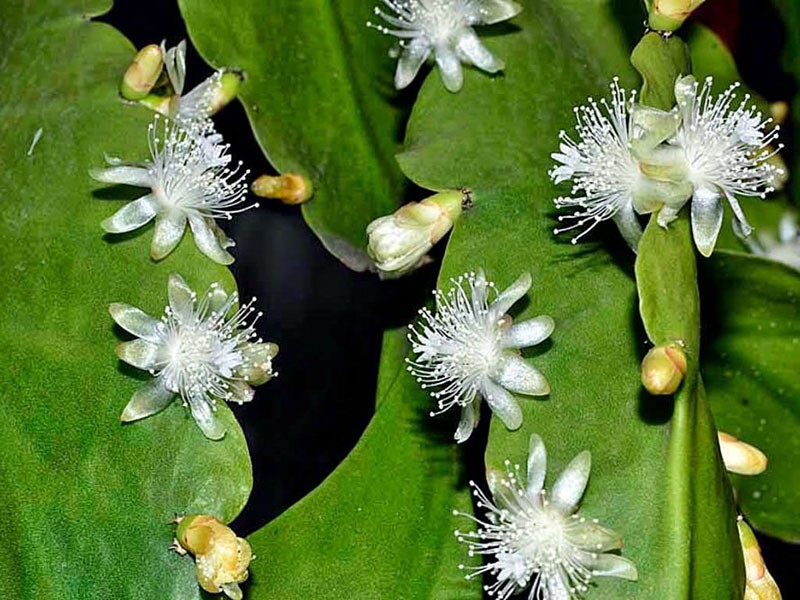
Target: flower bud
{"points": [[222, 558], [399, 242], [739, 457], [663, 369], [289, 188], [142, 74], [759, 584], [668, 15]]}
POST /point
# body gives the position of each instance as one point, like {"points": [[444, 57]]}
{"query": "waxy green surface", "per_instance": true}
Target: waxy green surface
{"points": [[86, 501]]}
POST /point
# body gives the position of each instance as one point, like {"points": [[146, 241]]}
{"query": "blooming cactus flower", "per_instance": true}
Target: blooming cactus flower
{"points": [[205, 99], [222, 558], [724, 153], [444, 29], [190, 183], [398, 243], [469, 349], [532, 538], [200, 350], [603, 165]]}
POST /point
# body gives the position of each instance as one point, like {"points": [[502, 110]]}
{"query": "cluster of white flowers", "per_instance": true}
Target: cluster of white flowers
{"points": [[202, 351], [444, 29], [188, 173], [532, 538], [631, 159], [469, 349]]}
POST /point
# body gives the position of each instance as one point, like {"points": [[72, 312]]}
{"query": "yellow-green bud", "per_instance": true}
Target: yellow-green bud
{"points": [[663, 369], [668, 15], [740, 457], [399, 242], [221, 557], [142, 74], [759, 584], [289, 188]]}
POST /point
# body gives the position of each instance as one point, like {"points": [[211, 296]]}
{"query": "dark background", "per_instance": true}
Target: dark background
{"points": [[328, 320]]}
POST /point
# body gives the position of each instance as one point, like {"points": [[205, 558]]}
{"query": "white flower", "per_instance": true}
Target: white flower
{"points": [[607, 180], [202, 101], [532, 538], [785, 248], [189, 182], [725, 153], [200, 350], [442, 28], [399, 242], [469, 349]]}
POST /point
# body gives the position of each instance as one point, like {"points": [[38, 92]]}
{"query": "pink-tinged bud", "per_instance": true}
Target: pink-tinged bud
{"points": [[222, 559], [663, 369], [668, 15], [399, 243], [289, 188], [142, 74], [739, 457], [759, 585]]}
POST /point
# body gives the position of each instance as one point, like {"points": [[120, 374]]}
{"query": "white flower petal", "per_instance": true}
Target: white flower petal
{"points": [[503, 404], [241, 392], [510, 295], [217, 297], [139, 353], [468, 421], [744, 226], [411, 60], [529, 332], [537, 465], [207, 241], [168, 232], [593, 537], [124, 175], [516, 375], [131, 216], [707, 212], [571, 484], [449, 69], [628, 225], [206, 419], [494, 11], [181, 297], [610, 565], [175, 61], [668, 214], [470, 50], [149, 399], [136, 321]]}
